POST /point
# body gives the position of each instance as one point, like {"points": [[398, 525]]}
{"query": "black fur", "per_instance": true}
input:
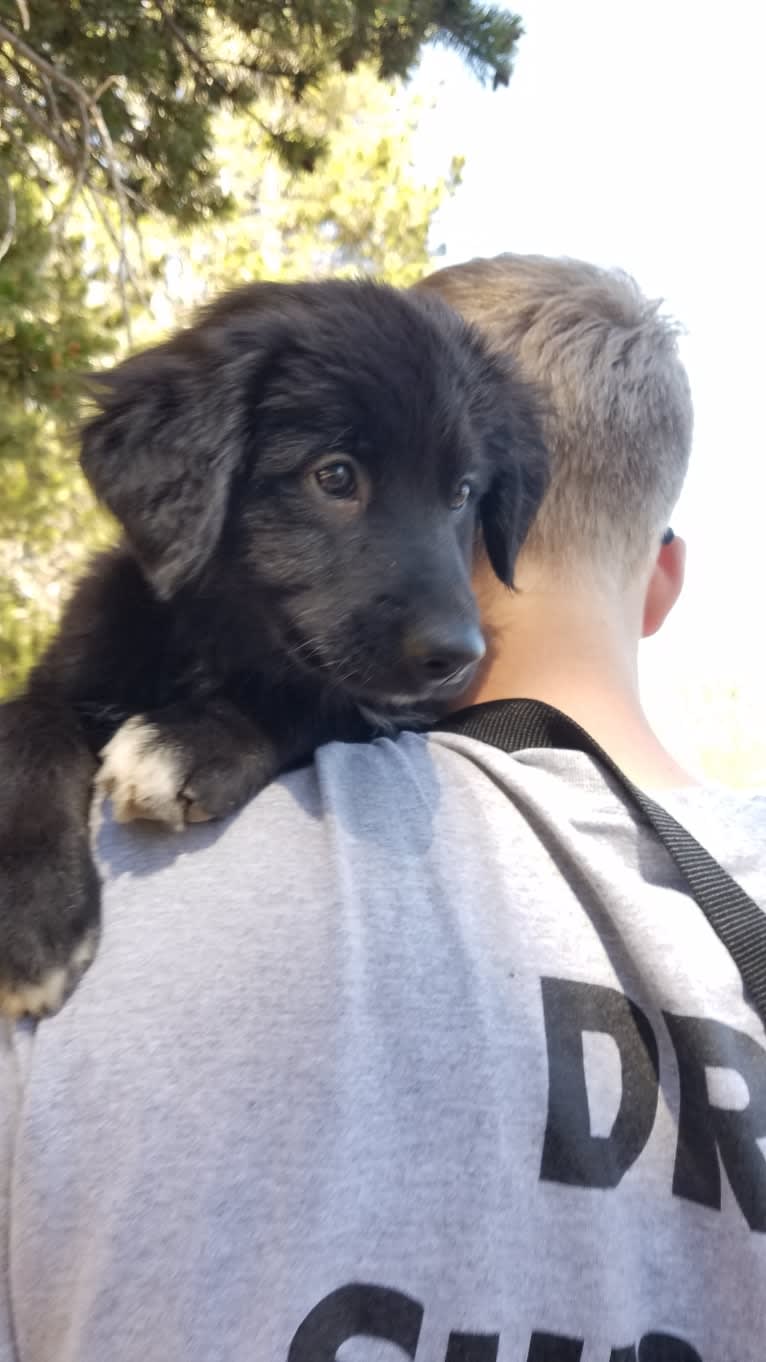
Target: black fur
{"points": [[249, 613]]}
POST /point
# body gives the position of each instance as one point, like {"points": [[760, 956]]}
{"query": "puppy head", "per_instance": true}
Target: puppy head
{"points": [[326, 454]]}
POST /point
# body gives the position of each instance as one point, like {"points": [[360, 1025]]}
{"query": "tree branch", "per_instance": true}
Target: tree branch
{"points": [[83, 156], [6, 240], [16, 96], [115, 176], [54, 72], [189, 49]]}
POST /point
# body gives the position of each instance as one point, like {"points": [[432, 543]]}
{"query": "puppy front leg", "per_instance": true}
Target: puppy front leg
{"points": [[49, 891], [98, 668], [190, 763]]}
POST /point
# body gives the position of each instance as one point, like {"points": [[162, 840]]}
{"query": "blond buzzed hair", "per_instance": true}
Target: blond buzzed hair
{"points": [[616, 402]]}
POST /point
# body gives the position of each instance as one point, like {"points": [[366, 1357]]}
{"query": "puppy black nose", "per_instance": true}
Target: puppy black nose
{"points": [[439, 654]]}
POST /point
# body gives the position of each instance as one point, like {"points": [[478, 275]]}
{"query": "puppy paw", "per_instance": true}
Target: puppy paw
{"points": [[144, 773], [45, 994], [49, 919]]}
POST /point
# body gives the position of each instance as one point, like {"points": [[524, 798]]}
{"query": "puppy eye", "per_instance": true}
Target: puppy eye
{"points": [[461, 495], [337, 479]]}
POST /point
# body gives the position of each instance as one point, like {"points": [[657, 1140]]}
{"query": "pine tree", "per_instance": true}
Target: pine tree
{"points": [[48, 336], [123, 93]]}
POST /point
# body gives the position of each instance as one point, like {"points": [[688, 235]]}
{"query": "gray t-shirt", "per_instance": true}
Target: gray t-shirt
{"points": [[425, 1054]]}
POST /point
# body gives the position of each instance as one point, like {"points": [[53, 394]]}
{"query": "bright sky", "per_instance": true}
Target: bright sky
{"points": [[633, 135]]}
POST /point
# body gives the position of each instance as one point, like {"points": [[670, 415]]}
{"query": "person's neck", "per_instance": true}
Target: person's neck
{"points": [[575, 649]]}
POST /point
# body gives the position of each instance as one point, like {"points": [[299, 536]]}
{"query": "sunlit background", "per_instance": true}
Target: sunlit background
{"points": [[633, 135]]}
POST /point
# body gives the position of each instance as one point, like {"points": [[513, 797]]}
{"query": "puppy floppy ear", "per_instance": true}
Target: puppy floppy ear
{"points": [[522, 472], [163, 449]]}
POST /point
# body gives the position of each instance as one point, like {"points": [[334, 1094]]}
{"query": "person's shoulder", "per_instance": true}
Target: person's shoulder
{"points": [[719, 816], [343, 781], [720, 804], [390, 788]]}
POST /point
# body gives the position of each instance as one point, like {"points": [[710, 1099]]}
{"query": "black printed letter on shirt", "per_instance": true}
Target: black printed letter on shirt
{"points": [[472, 1348], [657, 1348], [554, 1348], [666, 1348], [357, 1311], [571, 1154], [699, 1045]]}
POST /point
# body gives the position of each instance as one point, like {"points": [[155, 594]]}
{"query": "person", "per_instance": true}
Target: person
{"points": [[427, 1053]]}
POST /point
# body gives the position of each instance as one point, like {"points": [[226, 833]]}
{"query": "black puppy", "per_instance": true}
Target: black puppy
{"points": [[301, 478]]}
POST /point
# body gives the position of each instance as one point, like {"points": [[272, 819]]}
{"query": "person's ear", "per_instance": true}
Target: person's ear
{"points": [[664, 586]]}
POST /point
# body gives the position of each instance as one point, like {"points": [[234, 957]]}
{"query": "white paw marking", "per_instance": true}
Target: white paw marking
{"points": [[34, 1000], [144, 780], [39, 1000]]}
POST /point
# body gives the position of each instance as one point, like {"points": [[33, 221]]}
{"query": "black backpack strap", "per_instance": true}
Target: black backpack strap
{"points": [[515, 725]]}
